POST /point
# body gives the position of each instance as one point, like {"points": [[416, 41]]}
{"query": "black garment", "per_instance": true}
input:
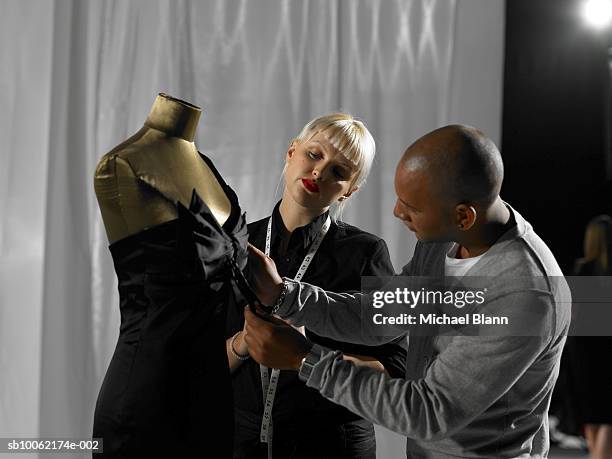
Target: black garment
{"points": [[587, 371], [305, 424], [168, 386], [305, 440]]}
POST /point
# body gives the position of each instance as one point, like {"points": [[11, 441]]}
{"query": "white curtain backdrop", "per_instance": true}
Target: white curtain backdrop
{"points": [[79, 76]]}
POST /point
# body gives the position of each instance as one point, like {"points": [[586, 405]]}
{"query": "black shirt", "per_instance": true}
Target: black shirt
{"points": [[345, 254]]}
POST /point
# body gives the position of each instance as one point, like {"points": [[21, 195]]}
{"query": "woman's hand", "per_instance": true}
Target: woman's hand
{"points": [[240, 345], [264, 276], [364, 361]]}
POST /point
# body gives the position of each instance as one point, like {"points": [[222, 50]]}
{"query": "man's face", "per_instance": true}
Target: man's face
{"points": [[419, 207]]}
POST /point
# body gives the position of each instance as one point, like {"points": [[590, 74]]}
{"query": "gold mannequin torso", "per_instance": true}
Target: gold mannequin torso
{"points": [[139, 182]]}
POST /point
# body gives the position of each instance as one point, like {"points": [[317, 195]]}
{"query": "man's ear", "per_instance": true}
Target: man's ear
{"points": [[291, 150], [466, 216]]}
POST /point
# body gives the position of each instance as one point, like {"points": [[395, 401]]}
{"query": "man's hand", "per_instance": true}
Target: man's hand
{"points": [[274, 343], [265, 278]]}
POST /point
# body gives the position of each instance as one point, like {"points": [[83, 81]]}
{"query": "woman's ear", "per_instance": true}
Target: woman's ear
{"points": [[291, 150], [348, 194]]}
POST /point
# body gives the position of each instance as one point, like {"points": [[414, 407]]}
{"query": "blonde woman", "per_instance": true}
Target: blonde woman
{"points": [[325, 166]]}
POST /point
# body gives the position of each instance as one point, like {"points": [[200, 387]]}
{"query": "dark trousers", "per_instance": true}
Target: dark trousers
{"points": [[305, 439]]}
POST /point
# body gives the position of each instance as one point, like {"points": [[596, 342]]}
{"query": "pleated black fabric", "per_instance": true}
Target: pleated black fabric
{"points": [[167, 391]]}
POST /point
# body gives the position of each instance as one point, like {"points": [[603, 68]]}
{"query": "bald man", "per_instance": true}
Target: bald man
{"points": [[463, 396]]}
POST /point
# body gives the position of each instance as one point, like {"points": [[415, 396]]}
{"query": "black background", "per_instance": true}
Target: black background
{"points": [[554, 145]]}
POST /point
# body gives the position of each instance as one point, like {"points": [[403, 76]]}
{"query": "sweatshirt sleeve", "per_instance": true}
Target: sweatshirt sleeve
{"points": [[335, 315], [392, 355], [463, 381]]}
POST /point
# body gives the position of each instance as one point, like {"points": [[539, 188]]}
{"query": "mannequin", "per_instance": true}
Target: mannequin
{"points": [[139, 182], [177, 241]]}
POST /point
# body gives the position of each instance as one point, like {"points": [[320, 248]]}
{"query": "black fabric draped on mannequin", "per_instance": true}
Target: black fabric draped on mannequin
{"points": [[168, 391]]}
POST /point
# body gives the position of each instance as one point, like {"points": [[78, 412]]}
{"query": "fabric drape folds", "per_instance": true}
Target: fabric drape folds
{"points": [[79, 76]]}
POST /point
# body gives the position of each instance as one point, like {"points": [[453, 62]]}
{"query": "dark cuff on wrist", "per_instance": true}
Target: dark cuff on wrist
{"points": [[308, 362]]}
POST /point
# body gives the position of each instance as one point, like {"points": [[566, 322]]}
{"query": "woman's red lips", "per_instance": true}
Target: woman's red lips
{"points": [[310, 185]]}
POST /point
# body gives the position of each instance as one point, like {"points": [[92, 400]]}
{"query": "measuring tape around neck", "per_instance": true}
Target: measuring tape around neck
{"points": [[269, 383]]}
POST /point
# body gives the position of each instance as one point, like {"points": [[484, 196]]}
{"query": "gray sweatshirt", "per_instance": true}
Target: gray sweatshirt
{"points": [[463, 396]]}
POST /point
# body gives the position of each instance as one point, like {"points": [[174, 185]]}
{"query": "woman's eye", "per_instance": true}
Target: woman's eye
{"points": [[312, 155]]}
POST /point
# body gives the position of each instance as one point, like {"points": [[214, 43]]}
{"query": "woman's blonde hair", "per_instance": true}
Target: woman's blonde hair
{"points": [[351, 137], [598, 241]]}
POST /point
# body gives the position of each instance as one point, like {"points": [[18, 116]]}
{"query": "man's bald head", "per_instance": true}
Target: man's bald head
{"points": [[462, 164]]}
